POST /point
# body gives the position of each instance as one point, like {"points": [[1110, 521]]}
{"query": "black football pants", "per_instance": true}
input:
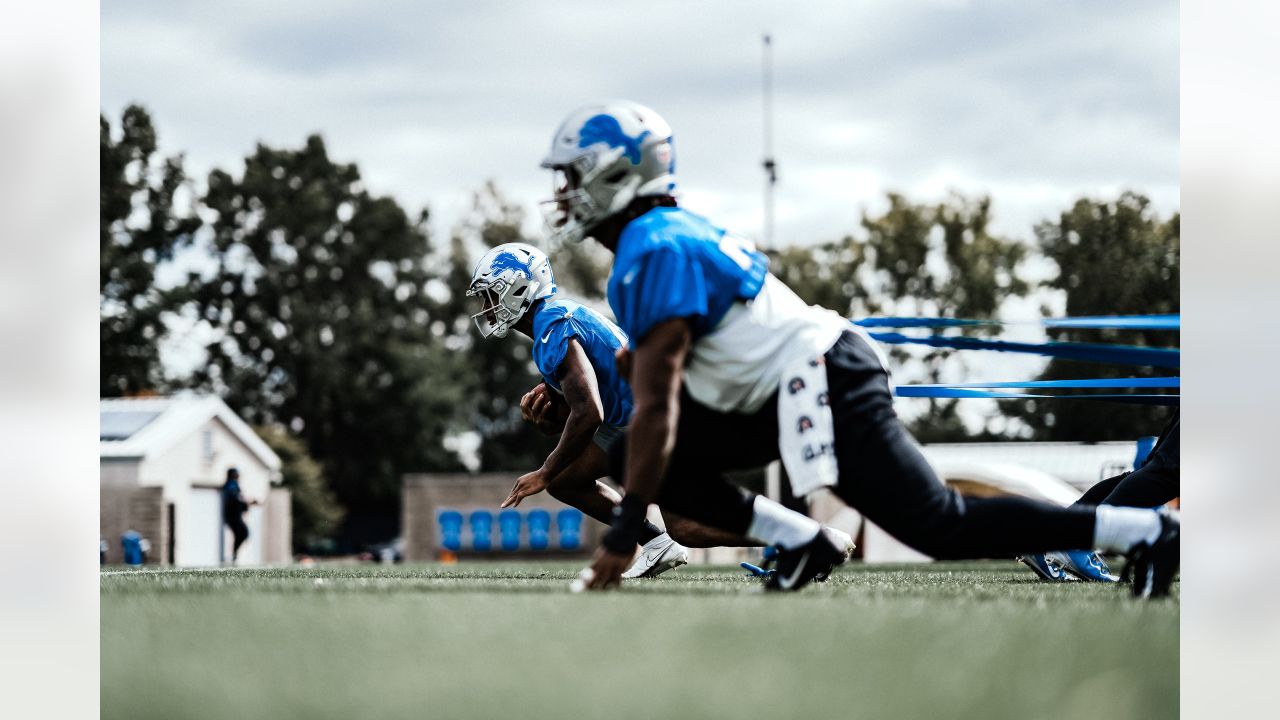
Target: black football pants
{"points": [[882, 473], [239, 533], [1155, 483]]}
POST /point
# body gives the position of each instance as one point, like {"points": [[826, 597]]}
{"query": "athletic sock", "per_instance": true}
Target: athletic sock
{"points": [[774, 524], [1120, 528], [650, 532]]}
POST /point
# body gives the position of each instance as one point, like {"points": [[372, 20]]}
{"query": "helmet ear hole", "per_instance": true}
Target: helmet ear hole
{"points": [[519, 291]]}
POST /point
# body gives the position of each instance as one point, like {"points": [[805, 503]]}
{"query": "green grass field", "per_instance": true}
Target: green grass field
{"points": [[509, 641]]}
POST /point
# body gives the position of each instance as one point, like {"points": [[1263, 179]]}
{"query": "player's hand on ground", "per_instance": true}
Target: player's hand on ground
{"points": [[526, 485], [607, 569]]}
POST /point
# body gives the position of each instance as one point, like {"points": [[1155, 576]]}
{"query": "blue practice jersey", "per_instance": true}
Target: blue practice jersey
{"points": [[557, 319], [671, 263], [747, 326]]}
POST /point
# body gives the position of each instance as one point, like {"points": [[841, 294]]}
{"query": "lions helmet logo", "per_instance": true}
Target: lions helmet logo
{"points": [[606, 129], [509, 261]]}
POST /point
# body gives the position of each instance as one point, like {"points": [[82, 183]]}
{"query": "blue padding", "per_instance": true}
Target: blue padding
{"points": [[569, 525], [509, 529], [539, 529], [481, 530], [450, 529], [1114, 383], [1089, 352]]}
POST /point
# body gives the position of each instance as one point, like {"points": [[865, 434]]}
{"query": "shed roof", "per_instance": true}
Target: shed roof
{"points": [[143, 427]]}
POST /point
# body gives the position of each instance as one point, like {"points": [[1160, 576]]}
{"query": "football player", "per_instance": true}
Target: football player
{"points": [[1153, 483], [581, 397], [730, 369]]}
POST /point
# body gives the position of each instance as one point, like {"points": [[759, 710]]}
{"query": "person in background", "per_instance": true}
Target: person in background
{"points": [[234, 506]]}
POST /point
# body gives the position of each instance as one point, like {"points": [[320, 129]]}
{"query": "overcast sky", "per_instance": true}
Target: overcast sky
{"points": [[1034, 103]]}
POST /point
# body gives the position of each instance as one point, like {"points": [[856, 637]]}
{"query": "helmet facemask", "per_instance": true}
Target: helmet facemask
{"points": [[494, 318], [571, 209], [587, 191]]}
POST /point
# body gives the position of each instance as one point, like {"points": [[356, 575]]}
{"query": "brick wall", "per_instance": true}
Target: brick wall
{"points": [[134, 508]]}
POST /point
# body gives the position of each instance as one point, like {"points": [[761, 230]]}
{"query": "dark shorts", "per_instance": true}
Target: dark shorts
{"points": [[607, 435]]}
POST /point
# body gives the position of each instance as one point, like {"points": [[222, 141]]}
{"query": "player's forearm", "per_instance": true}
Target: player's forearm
{"points": [[578, 431], [656, 368], [649, 444]]}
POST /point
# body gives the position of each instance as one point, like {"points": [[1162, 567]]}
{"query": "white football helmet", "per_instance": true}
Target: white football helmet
{"points": [[510, 277], [604, 156]]}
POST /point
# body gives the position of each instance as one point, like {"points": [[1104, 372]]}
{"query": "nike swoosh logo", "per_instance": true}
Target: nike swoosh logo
{"points": [[786, 583], [547, 336], [626, 279]]}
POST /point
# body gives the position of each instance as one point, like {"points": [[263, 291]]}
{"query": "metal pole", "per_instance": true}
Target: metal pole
{"points": [[770, 167]]}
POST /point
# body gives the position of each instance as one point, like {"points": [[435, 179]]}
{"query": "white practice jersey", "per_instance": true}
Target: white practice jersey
{"points": [[738, 365]]}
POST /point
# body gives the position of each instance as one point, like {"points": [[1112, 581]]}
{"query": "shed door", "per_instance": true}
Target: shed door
{"points": [[200, 528]]}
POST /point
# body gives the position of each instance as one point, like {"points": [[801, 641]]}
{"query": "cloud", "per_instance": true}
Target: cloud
{"points": [[1035, 103]]}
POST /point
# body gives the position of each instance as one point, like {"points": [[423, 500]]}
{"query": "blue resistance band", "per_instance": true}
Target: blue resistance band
{"points": [[1113, 383], [916, 391], [1118, 322], [1089, 352], [1111, 322]]}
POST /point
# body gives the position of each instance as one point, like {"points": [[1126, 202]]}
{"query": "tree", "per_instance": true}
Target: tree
{"points": [[316, 514], [141, 227], [914, 259], [825, 274], [1114, 257], [322, 322]]}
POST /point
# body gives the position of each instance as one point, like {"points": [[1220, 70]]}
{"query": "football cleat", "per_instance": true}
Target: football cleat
{"points": [[1084, 564], [1152, 566], [656, 557], [797, 568], [768, 555], [1044, 566], [843, 541]]}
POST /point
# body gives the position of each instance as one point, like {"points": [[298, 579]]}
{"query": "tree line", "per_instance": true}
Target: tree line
{"points": [[335, 322]]}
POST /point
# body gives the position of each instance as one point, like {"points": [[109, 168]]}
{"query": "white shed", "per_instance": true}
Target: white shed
{"points": [[163, 462]]}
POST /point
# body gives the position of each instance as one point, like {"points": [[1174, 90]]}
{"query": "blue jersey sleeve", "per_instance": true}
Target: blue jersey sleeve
{"points": [[663, 284], [550, 349]]}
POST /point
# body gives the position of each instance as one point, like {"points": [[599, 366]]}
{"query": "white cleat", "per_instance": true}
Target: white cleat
{"points": [[841, 539], [658, 556]]}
